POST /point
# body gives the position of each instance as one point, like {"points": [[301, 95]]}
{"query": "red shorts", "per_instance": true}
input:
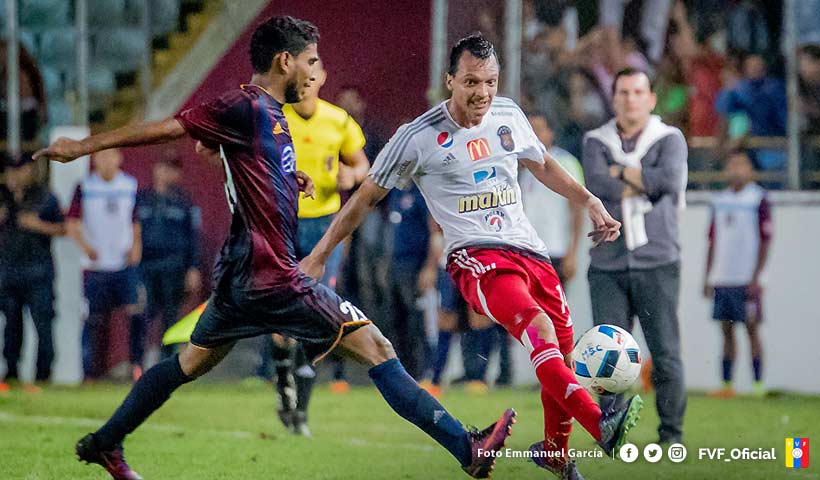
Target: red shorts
{"points": [[511, 287]]}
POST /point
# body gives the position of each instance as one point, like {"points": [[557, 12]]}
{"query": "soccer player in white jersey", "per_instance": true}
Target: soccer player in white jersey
{"points": [[464, 155]]}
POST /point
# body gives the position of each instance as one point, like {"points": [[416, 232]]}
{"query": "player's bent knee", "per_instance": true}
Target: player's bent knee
{"points": [[368, 345]]}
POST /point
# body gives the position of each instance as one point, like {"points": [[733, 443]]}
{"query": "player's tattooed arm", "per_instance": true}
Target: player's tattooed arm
{"points": [[347, 220], [65, 149]]}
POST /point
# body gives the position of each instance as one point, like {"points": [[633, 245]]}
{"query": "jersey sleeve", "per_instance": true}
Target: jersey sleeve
{"points": [[398, 161], [532, 149], [353, 137], [224, 121]]}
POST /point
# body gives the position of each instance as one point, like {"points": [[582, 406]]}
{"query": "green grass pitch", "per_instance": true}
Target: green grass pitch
{"points": [[230, 431]]}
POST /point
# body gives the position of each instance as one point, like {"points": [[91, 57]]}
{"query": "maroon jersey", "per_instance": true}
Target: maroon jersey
{"points": [[249, 128]]}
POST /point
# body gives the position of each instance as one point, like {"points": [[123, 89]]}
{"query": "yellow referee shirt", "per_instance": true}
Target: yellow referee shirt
{"points": [[318, 141]]}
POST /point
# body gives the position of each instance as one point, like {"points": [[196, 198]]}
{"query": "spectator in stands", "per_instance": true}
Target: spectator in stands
{"points": [[702, 69], [763, 99], [102, 220], [810, 88], [654, 17], [588, 109], [410, 244], [672, 92], [170, 238], [29, 218], [739, 237], [748, 32], [807, 15], [33, 111]]}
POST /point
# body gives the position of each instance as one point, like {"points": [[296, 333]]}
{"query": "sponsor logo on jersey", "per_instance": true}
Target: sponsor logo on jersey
{"points": [[495, 220], [445, 140], [277, 128], [288, 158], [478, 149], [480, 176], [501, 113], [500, 197], [505, 134]]}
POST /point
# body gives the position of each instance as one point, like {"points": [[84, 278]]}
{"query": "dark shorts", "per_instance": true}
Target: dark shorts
{"points": [[734, 304], [310, 312], [106, 291]]}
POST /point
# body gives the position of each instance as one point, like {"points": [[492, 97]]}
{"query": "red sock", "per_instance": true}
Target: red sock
{"points": [[557, 425], [557, 379]]}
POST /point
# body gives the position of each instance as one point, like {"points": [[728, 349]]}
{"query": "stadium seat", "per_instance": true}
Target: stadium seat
{"points": [[44, 13], [119, 50], [58, 48], [106, 13]]}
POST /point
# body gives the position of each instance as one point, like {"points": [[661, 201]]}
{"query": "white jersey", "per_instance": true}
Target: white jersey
{"points": [[468, 176]]}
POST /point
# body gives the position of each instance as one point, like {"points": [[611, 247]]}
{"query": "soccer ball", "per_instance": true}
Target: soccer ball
{"points": [[606, 360]]}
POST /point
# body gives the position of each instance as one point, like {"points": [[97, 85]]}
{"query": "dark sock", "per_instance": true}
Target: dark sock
{"points": [[304, 387], [149, 393], [137, 340], [727, 369], [416, 406], [442, 351], [758, 368]]}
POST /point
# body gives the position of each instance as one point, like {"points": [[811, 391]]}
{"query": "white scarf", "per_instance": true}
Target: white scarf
{"points": [[635, 208]]}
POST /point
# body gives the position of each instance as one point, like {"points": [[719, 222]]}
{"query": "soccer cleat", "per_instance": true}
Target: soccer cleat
{"points": [[112, 461], [286, 398], [565, 470], [300, 426], [615, 424], [491, 439]]}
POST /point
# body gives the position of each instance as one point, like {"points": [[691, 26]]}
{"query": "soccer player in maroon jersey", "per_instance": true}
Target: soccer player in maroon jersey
{"points": [[258, 287]]}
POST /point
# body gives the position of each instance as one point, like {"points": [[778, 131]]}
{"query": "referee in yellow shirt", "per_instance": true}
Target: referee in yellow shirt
{"points": [[329, 147]]}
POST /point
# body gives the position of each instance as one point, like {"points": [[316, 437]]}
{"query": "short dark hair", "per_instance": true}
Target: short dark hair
{"points": [[628, 72], [280, 34], [476, 44]]}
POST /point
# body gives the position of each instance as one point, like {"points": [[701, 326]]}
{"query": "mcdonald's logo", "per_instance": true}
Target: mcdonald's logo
{"points": [[478, 149]]}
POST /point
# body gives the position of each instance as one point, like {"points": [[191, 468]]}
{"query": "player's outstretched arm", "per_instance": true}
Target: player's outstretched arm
{"points": [[347, 220], [65, 149]]}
